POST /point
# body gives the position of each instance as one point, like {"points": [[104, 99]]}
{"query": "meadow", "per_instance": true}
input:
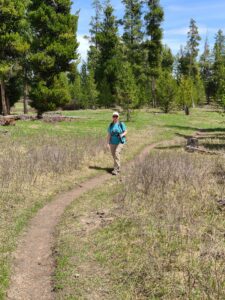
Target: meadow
{"points": [[40, 159]]}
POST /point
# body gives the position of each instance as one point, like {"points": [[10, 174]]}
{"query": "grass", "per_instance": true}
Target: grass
{"points": [[157, 235], [160, 235], [40, 159]]}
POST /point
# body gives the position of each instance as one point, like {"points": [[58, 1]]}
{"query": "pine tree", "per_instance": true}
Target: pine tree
{"points": [[133, 34], [192, 48], [26, 69], [153, 19], [166, 91], [167, 59], [88, 86], [206, 66], [13, 45], [91, 90], [126, 89], [109, 62], [219, 68], [185, 94], [182, 63], [54, 46], [134, 49], [76, 93], [95, 27]]}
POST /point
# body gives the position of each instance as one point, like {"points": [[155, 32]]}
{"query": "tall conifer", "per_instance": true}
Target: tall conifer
{"points": [[154, 19], [12, 45], [54, 47]]}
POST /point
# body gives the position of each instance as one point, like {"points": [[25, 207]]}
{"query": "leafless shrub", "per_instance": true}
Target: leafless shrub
{"points": [[41, 157], [171, 199]]}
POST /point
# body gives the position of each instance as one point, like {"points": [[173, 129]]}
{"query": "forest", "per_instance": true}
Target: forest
{"points": [[127, 65]]}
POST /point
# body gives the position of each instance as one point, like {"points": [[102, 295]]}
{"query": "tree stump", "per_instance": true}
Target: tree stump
{"points": [[192, 143]]}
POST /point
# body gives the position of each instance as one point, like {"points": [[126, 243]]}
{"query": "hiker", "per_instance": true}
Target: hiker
{"points": [[116, 139]]}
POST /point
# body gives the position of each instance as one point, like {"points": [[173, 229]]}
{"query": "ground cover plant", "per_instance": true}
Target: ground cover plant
{"points": [[159, 235], [39, 159]]}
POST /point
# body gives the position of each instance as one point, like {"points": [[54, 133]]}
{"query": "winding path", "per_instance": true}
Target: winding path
{"points": [[33, 265]]}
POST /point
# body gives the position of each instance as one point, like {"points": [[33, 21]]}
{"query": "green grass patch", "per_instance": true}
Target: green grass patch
{"points": [[156, 235], [38, 159]]}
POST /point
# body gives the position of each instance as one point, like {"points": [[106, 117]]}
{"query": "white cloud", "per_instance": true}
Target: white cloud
{"points": [[203, 30], [83, 47]]}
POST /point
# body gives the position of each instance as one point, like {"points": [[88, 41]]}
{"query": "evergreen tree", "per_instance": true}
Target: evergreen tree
{"points": [[192, 48], [153, 19], [54, 46], [84, 80], [134, 49], [167, 59], [26, 69], [89, 89], [182, 63], [188, 65], [76, 93], [13, 45], [219, 67], [126, 89], [109, 63], [92, 92], [166, 91], [185, 94], [206, 71], [93, 53], [133, 35]]}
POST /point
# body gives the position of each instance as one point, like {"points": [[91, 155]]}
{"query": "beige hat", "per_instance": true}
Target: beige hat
{"points": [[115, 114]]}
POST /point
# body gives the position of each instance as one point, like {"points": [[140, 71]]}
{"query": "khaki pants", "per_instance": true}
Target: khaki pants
{"points": [[116, 151]]}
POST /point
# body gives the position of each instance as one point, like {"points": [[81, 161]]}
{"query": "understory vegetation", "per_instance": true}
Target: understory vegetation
{"points": [[31, 173], [40, 159], [157, 235]]}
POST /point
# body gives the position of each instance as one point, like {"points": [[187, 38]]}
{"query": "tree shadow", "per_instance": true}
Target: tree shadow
{"points": [[212, 137], [216, 129], [214, 146], [183, 135], [170, 147], [108, 170], [183, 127]]}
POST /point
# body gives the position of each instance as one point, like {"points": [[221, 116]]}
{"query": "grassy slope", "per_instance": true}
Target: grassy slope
{"points": [[19, 203], [24, 187], [102, 252]]}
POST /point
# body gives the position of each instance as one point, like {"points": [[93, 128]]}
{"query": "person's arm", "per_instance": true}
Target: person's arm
{"points": [[124, 133], [124, 130], [108, 138]]}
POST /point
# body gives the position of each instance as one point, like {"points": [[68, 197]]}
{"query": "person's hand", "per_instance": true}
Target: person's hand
{"points": [[108, 146]]}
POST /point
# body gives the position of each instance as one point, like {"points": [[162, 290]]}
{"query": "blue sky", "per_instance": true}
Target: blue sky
{"points": [[209, 15]]}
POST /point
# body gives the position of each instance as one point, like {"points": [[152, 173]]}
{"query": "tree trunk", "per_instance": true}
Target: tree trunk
{"points": [[186, 110], [7, 105], [4, 104], [25, 94], [153, 87], [128, 115]]}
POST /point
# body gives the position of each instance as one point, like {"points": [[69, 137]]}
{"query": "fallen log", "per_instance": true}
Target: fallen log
{"points": [[191, 148]]}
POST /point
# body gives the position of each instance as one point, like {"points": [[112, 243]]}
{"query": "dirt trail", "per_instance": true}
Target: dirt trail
{"points": [[33, 260]]}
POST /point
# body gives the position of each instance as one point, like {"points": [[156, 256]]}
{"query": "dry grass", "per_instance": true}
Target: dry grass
{"points": [[161, 235], [31, 172], [170, 200]]}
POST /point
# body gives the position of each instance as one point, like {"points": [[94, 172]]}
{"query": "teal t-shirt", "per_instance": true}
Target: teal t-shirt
{"points": [[114, 130]]}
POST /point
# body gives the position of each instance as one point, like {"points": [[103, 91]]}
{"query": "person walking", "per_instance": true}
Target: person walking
{"points": [[116, 139]]}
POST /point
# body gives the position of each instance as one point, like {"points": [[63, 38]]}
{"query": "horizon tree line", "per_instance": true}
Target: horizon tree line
{"points": [[39, 59]]}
